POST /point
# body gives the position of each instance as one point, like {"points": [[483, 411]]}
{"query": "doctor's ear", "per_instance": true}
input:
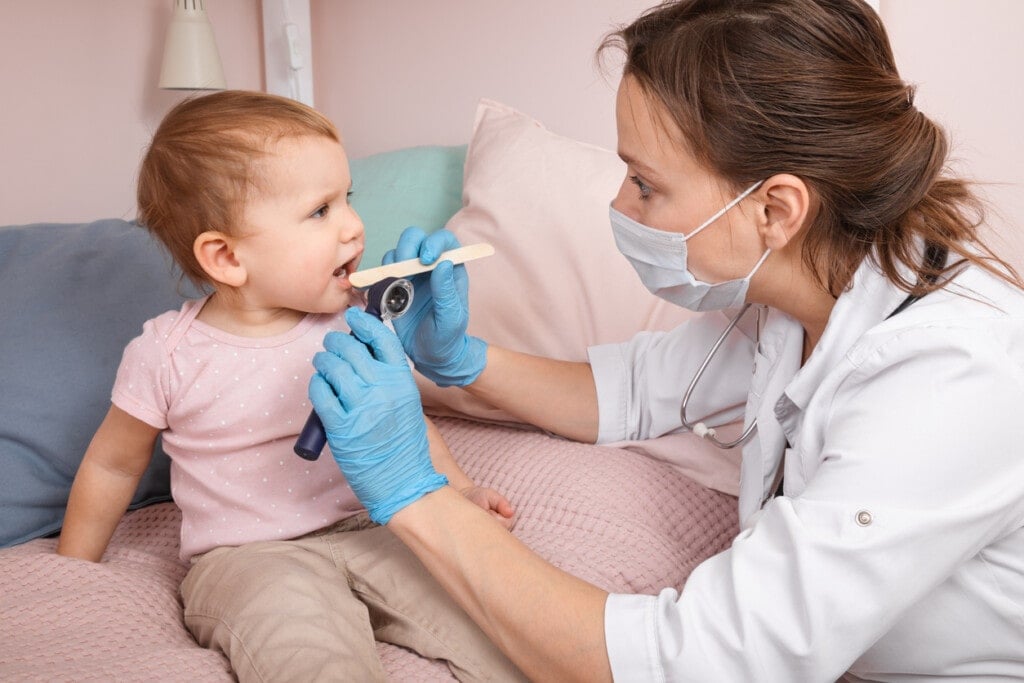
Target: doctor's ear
{"points": [[215, 253], [786, 208]]}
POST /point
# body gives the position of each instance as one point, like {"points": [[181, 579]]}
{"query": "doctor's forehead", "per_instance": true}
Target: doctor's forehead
{"points": [[649, 140]]}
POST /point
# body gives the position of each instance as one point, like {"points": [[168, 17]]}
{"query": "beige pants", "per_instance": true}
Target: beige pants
{"points": [[310, 609]]}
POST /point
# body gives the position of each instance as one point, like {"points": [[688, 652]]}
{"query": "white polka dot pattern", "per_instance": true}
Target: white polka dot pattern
{"points": [[231, 408]]}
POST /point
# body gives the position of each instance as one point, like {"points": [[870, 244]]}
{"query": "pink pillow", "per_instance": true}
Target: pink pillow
{"points": [[557, 283]]}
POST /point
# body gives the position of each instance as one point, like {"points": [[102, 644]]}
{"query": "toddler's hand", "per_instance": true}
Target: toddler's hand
{"points": [[493, 502]]}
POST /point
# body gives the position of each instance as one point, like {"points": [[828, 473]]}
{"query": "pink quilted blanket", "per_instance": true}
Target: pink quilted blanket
{"points": [[623, 521]]}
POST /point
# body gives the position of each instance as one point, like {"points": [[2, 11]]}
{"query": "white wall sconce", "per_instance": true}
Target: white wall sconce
{"points": [[288, 49], [191, 60]]}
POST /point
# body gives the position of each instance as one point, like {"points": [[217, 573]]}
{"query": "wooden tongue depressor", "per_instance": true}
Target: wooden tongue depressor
{"points": [[364, 278]]}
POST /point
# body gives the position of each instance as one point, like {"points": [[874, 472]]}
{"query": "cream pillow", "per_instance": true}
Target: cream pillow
{"points": [[557, 283]]}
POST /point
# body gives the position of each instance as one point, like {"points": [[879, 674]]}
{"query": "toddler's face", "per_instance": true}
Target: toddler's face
{"points": [[300, 238]]}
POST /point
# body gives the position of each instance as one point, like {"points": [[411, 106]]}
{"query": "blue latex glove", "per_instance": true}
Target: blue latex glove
{"points": [[371, 411], [433, 331]]}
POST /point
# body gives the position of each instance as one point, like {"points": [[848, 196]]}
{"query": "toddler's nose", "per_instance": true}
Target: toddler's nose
{"points": [[352, 226]]}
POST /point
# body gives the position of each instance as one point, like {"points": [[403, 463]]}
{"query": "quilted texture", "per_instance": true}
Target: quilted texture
{"points": [[619, 519]]}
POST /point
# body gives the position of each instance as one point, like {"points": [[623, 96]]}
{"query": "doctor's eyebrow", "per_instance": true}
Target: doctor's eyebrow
{"points": [[642, 168]]}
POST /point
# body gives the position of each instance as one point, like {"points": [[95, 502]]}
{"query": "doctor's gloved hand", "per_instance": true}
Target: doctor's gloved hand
{"points": [[371, 411], [433, 331]]}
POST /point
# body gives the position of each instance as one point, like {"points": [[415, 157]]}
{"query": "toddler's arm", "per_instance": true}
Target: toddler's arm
{"points": [[116, 458], [487, 498]]}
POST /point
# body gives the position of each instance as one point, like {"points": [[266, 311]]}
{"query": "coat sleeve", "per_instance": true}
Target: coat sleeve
{"points": [[640, 383]]}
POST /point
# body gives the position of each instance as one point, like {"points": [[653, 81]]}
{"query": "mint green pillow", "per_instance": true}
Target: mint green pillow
{"points": [[419, 186]]}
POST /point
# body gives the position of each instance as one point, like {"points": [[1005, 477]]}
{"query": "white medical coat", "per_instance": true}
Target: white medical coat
{"points": [[897, 551]]}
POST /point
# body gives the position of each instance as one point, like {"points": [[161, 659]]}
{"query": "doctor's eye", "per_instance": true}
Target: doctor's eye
{"points": [[645, 189]]}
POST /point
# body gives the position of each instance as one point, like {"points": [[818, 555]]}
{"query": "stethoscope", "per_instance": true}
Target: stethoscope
{"points": [[935, 258], [699, 428]]}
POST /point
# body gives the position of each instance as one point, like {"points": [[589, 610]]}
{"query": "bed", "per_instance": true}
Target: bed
{"points": [[633, 516]]}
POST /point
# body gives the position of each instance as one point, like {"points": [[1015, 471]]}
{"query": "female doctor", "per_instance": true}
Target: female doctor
{"points": [[773, 151]]}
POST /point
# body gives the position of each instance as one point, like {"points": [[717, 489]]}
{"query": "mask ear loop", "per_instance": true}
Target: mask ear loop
{"points": [[757, 266], [725, 209], [699, 428]]}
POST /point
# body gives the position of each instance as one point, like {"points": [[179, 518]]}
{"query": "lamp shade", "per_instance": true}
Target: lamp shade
{"points": [[191, 60]]}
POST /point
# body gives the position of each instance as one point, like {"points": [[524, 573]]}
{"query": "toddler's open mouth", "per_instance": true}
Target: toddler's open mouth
{"points": [[347, 268]]}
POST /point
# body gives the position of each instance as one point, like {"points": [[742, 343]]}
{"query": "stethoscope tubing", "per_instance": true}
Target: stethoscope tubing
{"points": [[935, 260], [699, 428]]}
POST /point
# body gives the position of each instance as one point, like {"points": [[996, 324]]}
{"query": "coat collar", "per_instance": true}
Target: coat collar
{"points": [[782, 389], [870, 299]]}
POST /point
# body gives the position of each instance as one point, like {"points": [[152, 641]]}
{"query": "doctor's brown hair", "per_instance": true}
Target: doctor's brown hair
{"points": [[199, 168], [810, 88]]}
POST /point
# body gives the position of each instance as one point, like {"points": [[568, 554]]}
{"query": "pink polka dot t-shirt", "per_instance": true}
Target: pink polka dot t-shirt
{"points": [[231, 408]]}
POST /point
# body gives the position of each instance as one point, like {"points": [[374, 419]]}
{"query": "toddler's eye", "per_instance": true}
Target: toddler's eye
{"points": [[321, 212], [645, 189]]}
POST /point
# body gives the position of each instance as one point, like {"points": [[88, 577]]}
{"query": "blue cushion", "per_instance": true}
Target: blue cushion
{"points": [[419, 186], [73, 296]]}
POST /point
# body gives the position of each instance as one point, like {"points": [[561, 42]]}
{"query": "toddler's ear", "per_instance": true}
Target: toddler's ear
{"points": [[216, 255]]}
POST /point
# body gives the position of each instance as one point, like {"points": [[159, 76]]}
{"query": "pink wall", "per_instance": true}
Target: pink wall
{"points": [[966, 59], [406, 72], [80, 99]]}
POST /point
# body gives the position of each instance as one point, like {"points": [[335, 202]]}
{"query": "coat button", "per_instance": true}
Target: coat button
{"points": [[863, 518]]}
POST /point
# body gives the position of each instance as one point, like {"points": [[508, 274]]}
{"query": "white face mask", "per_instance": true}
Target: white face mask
{"points": [[659, 258]]}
